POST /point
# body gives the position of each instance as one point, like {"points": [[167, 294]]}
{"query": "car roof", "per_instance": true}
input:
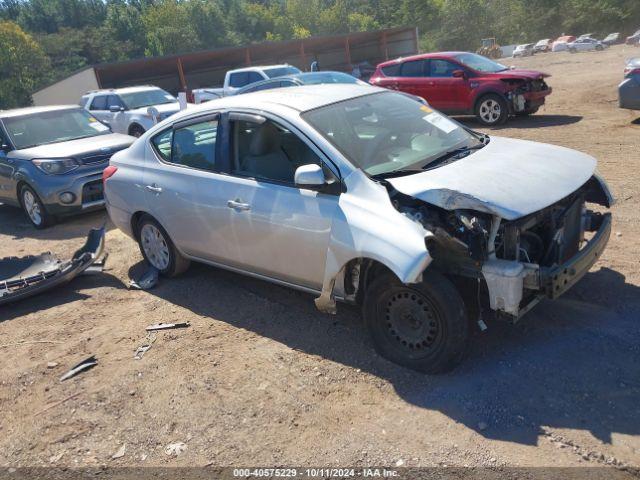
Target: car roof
{"points": [[301, 99], [633, 62], [259, 68], [140, 88], [421, 56], [17, 112]]}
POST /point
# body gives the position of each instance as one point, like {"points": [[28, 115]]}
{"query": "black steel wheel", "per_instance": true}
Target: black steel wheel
{"points": [[422, 326]]}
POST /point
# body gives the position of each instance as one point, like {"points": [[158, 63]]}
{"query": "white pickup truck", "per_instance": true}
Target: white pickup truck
{"points": [[234, 80]]}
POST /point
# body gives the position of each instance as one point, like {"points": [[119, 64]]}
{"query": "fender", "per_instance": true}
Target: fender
{"points": [[367, 225]]}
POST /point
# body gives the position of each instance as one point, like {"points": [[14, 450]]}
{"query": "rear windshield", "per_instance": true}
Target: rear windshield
{"points": [[51, 127], [280, 71]]}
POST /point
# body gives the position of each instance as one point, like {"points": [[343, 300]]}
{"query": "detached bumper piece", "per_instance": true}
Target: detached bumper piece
{"points": [[557, 280], [28, 276]]}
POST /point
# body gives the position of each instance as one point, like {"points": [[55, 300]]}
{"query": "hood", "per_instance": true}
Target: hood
{"points": [[509, 178], [172, 107], [103, 144], [521, 73]]}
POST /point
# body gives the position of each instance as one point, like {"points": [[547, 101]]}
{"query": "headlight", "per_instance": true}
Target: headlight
{"points": [[56, 166]]}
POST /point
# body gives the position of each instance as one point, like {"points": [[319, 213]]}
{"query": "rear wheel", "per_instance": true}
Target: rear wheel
{"points": [[573, 50], [422, 326], [158, 249], [492, 109], [34, 208]]}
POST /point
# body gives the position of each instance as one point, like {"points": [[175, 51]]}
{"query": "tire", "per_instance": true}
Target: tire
{"points": [[423, 326], [492, 109], [34, 209], [158, 249], [136, 131], [599, 48], [573, 50]]}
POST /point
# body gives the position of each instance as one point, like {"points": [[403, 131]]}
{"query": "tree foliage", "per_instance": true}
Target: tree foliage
{"points": [[76, 33], [21, 63]]}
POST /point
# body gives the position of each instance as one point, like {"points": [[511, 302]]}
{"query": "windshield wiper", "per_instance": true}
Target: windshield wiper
{"points": [[450, 155], [396, 173]]}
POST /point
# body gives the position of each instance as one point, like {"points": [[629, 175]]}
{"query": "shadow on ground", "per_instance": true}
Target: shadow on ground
{"points": [[531, 121], [15, 224], [569, 364]]}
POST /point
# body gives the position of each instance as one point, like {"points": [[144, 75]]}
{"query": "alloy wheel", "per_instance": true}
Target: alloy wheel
{"points": [[32, 207], [490, 111]]}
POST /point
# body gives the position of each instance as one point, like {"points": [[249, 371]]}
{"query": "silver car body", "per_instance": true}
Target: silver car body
{"points": [[304, 239]]}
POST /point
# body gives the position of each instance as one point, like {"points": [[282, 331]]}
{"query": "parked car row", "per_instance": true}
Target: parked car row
{"points": [[323, 183], [585, 42]]}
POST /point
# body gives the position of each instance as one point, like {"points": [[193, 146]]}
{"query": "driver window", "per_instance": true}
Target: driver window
{"points": [[442, 68], [269, 151]]}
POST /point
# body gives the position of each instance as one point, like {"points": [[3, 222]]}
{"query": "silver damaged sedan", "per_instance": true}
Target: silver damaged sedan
{"points": [[364, 195]]}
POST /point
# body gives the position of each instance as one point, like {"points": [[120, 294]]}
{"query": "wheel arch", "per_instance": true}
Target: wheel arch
{"points": [[133, 125]]}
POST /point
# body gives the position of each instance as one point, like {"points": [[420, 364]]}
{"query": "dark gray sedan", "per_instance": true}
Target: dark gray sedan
{"points": [[51, 160], [629, 89]]}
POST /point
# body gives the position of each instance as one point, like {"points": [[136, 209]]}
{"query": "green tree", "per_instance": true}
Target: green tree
{"points": [[22, 62], [168, 28]]}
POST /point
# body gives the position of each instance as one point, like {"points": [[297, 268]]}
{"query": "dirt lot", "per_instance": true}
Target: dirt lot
{"points": [[262, 378]]}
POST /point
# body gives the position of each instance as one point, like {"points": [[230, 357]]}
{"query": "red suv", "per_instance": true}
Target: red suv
{"points": [[462, 83]]}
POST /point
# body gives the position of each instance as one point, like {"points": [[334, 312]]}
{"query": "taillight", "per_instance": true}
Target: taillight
{"points": [[108, 173], [631, 71]]}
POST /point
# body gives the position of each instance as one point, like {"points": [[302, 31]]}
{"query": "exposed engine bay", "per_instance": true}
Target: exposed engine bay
{"points": [[519, 261]]}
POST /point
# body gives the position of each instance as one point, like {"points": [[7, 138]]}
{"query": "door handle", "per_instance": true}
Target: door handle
{"points": [[154, 188], [238, 205]]}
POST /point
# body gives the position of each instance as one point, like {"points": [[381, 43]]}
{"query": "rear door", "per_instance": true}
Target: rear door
{"points": [[413, 79], [452, 92], [183, 186]]}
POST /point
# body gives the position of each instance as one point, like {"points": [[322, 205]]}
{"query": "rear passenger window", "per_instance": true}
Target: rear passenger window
{"points": [[392, 70], [114, 101], [254, 77], [99, 103], [414, 68], [239, 79], [195, 145], [162, 144]]}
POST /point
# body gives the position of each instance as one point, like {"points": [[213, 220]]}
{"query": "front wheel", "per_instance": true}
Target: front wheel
{"points": [[492, 110], [422, 326], [34, 208], [158, 249], [573, 50]]}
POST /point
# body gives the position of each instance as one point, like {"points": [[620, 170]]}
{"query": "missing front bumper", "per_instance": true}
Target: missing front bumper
{"points": [[507, 280]]}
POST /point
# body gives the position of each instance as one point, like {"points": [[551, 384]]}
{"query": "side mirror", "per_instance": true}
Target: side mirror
{"points": [[459, 74], [154, 114], [309, 175], [4, 149], [116, 109]]}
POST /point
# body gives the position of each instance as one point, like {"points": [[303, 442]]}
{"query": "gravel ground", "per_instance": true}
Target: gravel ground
{"points": [[262, 378]]}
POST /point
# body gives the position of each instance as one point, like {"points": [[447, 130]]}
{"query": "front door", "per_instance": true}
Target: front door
{"points": [[452, 92], [279, 229], [7, 169]]}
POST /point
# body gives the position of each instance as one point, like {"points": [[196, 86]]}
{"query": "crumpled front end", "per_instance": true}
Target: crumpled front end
{"points": [[516, 262]]}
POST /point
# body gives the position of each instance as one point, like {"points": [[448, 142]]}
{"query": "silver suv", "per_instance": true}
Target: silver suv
{"points": [[364, 195], [51, 161], [132, 110]]}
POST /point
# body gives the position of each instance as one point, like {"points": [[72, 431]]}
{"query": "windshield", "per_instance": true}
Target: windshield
{"points": [[388, 132], [480, 63], [147, 98], [280, 71], [53, 126]]}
